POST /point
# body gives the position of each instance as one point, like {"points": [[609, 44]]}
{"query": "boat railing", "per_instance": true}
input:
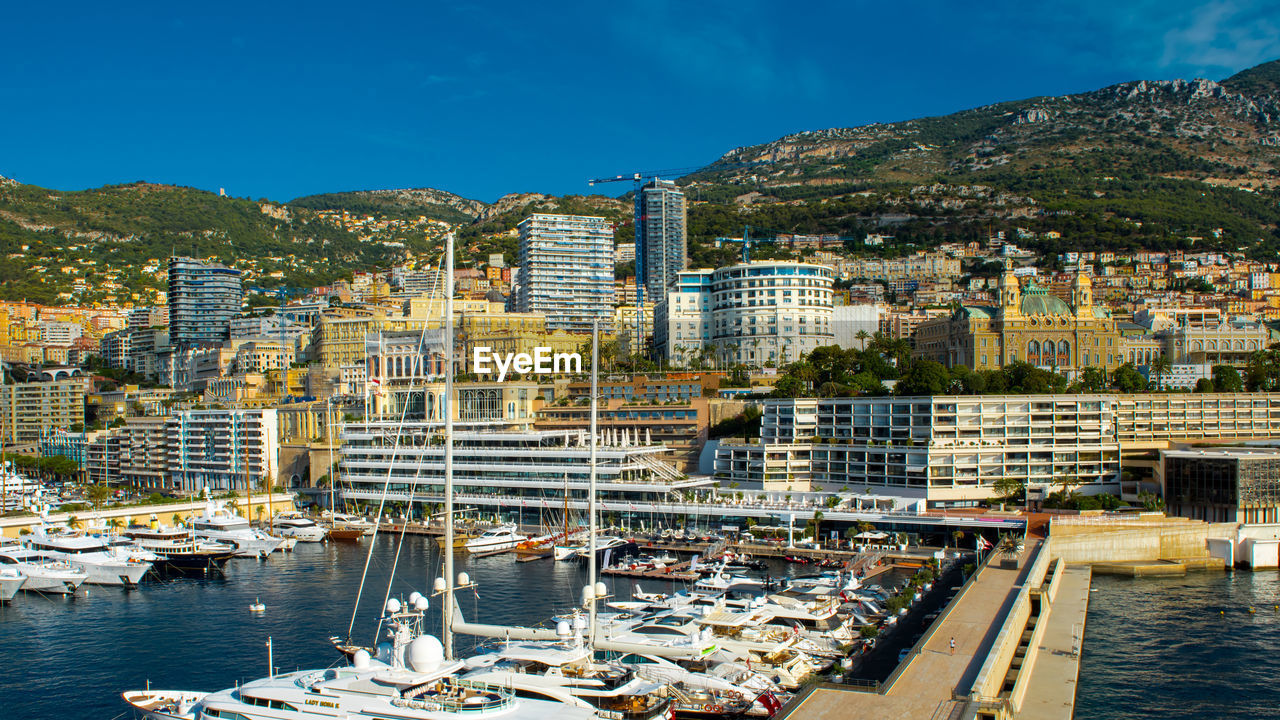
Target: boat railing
{"points": [[458, 696]]}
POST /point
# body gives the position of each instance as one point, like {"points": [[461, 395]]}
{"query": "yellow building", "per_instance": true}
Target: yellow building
{"points": [[1028, 325]]}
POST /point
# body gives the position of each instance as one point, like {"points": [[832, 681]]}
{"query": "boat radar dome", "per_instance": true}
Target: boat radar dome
{"points": [[420, 604], [602, 590], [393, 606], [463, 579], [562, 629], [413, 597], [425, 654], [579, 622], [440, 585], [360, 660]]}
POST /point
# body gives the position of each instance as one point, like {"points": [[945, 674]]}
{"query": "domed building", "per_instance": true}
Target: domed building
{"points": [[1028, 325]]}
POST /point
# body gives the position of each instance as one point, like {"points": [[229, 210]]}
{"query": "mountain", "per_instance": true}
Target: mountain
{"points": [[1153, 164], [111, 243], [405, 204]]}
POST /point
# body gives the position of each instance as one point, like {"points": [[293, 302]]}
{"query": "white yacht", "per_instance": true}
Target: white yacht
{"points": [[294, 525], [11, 581], [504, 537], [352, 522], [568, 672], [219, 524], [410, 679], [92, 554], [44, 573], [17, 491]]}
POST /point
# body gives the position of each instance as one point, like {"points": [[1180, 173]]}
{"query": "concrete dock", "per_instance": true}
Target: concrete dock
{"points": [[1051, 689]]}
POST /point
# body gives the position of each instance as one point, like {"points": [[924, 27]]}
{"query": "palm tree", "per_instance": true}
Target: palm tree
{"points": [[73, 522], [862, 337], [177, 519], [1160, 365]]}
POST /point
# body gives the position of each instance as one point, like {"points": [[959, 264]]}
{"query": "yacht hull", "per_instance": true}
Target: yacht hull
{"points": [[53, 583], [189, 563], [9, 586], [121, 574]]}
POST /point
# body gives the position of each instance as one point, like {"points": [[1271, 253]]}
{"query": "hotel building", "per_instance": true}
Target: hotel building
{"points": [[566, 270]]}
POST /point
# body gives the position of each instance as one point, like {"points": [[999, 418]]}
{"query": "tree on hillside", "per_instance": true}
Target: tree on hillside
{"points": [[1127, 379]]}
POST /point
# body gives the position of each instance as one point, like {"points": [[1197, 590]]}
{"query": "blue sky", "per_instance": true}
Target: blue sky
{"points": [[280, 100]]}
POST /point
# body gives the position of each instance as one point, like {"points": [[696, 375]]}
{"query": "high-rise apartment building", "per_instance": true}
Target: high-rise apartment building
{"points": [[661, 237], [203, 297], [566, 270]]}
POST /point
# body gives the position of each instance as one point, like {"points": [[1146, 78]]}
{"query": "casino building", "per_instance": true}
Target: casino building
{"points": [[1028, 325]]}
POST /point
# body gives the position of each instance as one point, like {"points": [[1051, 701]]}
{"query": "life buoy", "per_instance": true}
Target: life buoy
{"points": [[717, 708]]}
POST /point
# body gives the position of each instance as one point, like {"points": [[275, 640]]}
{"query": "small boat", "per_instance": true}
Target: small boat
{"points": [[257, 606], [504, 537]]}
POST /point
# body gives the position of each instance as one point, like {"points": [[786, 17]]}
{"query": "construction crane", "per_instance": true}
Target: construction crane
{"points": [[747, 240]]}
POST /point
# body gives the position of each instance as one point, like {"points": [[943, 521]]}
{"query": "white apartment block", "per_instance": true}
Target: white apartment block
{"points": [[566, 270], [60, 332], [950, 450], [222, 449], [759, 314]]}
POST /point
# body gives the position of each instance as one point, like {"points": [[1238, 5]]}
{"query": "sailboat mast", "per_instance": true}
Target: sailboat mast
{"points": [[591, 526], [447, 608], [333, 471]]}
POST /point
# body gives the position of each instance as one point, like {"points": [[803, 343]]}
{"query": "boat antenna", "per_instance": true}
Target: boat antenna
{"points": [[591, 461], [447, 608]]}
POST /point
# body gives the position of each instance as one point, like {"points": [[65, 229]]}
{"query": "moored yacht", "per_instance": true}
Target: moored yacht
{"points": [[503, 537], [409, 679], [44, 573], [92, 554], [11, 581], [568, 672], [178, 550], [294, 525], [221, 525]]}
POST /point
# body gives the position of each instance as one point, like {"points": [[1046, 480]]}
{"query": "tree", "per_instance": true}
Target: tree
{"points": [[924, 377], [73, 522], [1160, 365], [98, 495], [1127, 379], [1008, 488], [957, 535], [1204, 385], [1227, 379], [1093, 380]]}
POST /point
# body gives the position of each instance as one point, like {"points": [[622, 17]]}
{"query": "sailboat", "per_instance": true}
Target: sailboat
{"points": [[410, 676]]}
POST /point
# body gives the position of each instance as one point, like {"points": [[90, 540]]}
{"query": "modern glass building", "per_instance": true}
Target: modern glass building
{"points": [[1237, 485], [566, 270], [203, 298], [661, 237]]}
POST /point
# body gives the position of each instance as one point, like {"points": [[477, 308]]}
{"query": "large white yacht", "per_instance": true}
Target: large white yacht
{"points": [[294, 525], [101, 564], [219, 524], [568, 672], [11, 581], [45, 574], [410, 679], [495, 539]]}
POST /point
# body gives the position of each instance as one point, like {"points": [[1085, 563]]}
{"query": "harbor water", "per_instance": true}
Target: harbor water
{"points": [[1183, 647], [1154, 647], [70, 658]]}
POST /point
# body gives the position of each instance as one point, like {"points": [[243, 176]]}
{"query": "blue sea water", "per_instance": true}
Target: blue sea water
{"points": [[1177, 648], [65, 659]]}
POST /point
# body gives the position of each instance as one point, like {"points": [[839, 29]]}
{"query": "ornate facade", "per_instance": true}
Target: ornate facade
{"points": [[1028, 325]]}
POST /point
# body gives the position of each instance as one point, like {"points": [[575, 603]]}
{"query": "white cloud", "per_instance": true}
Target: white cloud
{"points": [[1223, 36]]}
